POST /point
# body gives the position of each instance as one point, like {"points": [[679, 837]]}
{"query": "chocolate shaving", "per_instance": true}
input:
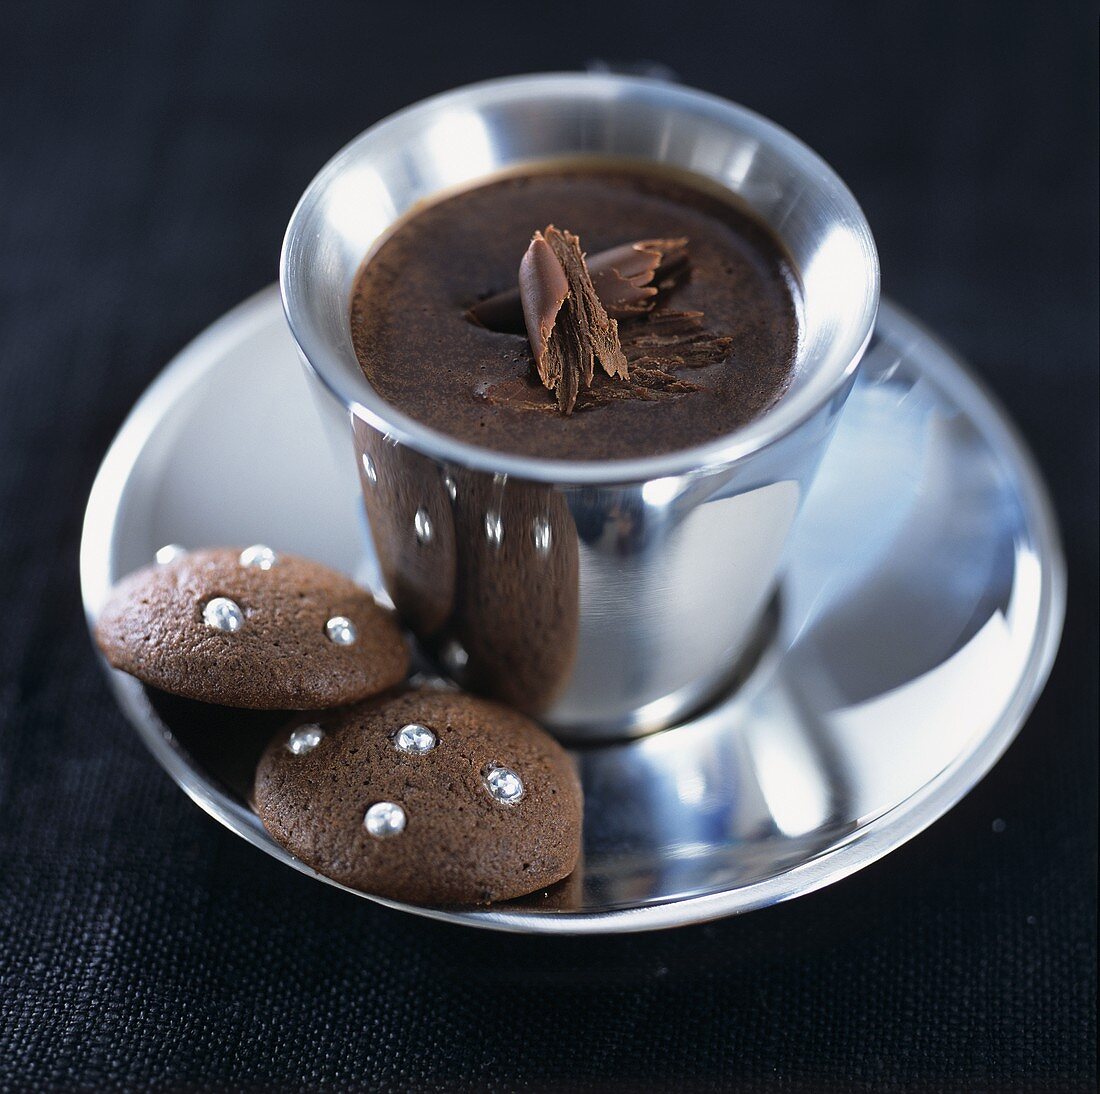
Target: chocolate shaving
{"points": [[674, 339], [628, 280], [543, 288], [568, 330], [645, 384], [656, 347]]}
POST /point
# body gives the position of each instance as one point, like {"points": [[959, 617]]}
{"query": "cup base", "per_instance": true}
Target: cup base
{"points": [[665, 714]]}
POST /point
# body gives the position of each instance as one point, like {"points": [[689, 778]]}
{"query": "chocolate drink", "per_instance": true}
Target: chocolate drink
{"points": [[715, 350]]}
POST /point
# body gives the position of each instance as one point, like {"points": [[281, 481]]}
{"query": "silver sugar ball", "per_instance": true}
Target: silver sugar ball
{"points": [[385, 819], [504, 784], [169, 553], [223, 615], [415, 739], [305, 739], [341, 631], [259, 556]]}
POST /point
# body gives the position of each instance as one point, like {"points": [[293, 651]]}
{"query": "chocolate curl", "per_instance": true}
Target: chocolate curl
{"points": [[567, 326], [543, 288], [627, 280]]}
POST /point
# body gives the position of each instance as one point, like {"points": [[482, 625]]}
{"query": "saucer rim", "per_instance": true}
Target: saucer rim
{"points": [[878, 837]]}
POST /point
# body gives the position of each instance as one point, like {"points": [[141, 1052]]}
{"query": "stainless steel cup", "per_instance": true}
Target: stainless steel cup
{"points": [[607, 598]]}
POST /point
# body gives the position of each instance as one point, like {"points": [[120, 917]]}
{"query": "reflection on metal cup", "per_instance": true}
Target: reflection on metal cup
{"points": [[409, 511], [516, 602]]}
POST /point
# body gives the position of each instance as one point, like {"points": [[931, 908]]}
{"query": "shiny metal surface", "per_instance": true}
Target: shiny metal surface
{"points": [[583, 593], [919, 616]]}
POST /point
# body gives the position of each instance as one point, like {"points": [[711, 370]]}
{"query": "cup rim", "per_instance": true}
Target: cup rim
{"points": [[360, 398]]}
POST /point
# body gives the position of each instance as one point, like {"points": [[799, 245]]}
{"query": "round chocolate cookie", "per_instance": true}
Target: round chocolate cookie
{"points": [[433, 797], [251, 629]]}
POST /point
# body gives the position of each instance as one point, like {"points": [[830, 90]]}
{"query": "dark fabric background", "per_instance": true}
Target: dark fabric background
{"points": [[150, 154]]}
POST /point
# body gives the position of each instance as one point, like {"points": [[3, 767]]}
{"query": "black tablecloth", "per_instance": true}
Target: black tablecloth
{"points": [[150, 154]]}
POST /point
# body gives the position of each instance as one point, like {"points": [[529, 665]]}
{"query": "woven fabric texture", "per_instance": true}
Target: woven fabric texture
{"points": [[150, 155]]}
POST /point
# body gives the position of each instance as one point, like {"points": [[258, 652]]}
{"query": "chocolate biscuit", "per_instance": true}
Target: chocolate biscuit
{"points": [[252, 629], [433, 797]]}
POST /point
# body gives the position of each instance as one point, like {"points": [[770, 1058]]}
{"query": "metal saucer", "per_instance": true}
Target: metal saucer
{"points": [[919, 616]]}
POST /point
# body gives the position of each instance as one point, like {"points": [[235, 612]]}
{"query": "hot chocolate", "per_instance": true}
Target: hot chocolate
{"points": [[712, 345]]}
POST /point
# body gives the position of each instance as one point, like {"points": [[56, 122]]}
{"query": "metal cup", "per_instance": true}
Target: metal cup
{"points": [[607, 598]]}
